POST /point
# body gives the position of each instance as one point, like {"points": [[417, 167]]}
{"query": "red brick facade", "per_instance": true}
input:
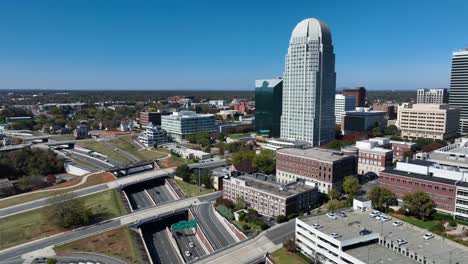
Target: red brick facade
{"points": [[442, 194], [359, 93], [399, 150]]}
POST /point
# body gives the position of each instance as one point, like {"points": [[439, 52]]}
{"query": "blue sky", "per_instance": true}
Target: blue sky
{"points": [[175, 44]]}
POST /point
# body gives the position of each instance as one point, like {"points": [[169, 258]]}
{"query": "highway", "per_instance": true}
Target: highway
{"points": [[69, 236], [46, 201], [164, 252], [149, 193], [212, 227], [184, 239], [125, 181], [140, 200], [253, 249], [160, 194], [127, 155]]}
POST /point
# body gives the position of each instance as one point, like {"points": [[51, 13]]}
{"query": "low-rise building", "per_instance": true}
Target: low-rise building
{"points": [[361, 120], [218, 103], [188, 153], [183, 123], [268, 197], [278, 143], [323, 167], [153, 135], [399, 149], [455, 154], [428, 121], [150, 117], [372, 158], [360, 239], [81, 131], [390, 109]]}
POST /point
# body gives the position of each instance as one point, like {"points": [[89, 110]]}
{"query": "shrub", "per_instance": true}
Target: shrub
{"points": [[264, 226], [245, 227], [452, 223], [281, 219], [437, 228], [226, 212]]}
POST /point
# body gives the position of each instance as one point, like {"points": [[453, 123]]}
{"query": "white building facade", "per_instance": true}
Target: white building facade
{"points": [[153, 135], [309, 85], [343, 103], [183, 123]]}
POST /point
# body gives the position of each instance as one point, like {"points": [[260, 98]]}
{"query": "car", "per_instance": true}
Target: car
{"points": [[40, 260], [364, 232], [332, 216], [191, 244], [428, 236], [374, 214], [187, 253], [397, 223], [335, 235], [401, 241], [342, 214], [385, 218], [316, 226]]}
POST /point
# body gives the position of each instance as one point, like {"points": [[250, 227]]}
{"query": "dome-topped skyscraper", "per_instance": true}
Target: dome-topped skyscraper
{"points": [[309, 84]]}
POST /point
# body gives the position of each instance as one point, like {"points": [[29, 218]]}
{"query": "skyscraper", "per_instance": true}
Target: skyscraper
{"points": [[309, 84], [268, 105], [458, 97], [432, 96]]}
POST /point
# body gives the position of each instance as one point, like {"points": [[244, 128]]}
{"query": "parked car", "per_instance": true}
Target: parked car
{"points": [[374, 214], [428, 236], [332, 216], [187, 253], [364, 232], [316, 226], [335, 235], [191, 245], [385, 218], [401, 241], [397, 223], [342, 214]]}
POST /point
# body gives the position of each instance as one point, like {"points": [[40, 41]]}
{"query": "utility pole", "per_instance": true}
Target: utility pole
{"points": [[199, 180]]}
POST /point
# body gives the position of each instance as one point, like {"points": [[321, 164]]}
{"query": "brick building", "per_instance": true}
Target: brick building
{"points": [[325, 168], [150, 117], [389, 109], [400, 147], [372, 158], [359, 93], [269, 197]]}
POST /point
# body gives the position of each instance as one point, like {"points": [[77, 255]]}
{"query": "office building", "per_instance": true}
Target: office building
{"points": [[217, 103], [362, 120], [183, 123], [269, 197], [360, 239], [390, 109], [279, 143], [432, 96], [323, 167], [372, 157], [402, 148], [153, 136], [343, 104], [81, 131], [438, 181], [150, 117], [458, 97], [268, 105], [359, 93], [309, 85], [428, 121]]}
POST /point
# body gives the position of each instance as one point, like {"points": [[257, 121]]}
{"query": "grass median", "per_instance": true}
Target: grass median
{"points": [[191, 190], [34, 224], [91, 181], [104, 149], [119, 243]]}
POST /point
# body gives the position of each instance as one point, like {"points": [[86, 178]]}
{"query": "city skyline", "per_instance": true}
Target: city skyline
{"points": [[119, 46]]}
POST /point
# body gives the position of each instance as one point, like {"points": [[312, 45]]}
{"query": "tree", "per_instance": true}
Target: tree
{"points": [[391, 130], [265, 162], [351, 185], [239, 157], [376, 131], [290, 245], [408, 153], [183, 171], [338, 134], [240, 203], [382, 198], [419, 205], [333, 194], [336, 204], [67, 211]]}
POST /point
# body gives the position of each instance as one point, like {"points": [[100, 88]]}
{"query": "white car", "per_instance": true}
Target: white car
{"points": [[191, 245], [332, 216], [187, 253], [374, 214], [385, 218], [316, 226], [428, 236], [397, 223], [335, 235], [401, 241]]}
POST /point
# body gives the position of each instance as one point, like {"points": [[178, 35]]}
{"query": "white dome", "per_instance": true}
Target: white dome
{"points": [[312, 28]]}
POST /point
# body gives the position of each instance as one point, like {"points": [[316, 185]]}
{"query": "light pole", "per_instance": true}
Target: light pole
{"points": [[199, 180]]}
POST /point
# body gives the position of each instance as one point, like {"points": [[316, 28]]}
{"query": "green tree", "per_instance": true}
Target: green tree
{"points": [[382, 198], [183, 171], [351, 185], [265, 162], [239, 157], [68, 211], [391, 130], [240, 203], [333, 194], [335, 204], [377, 132], [408, 154], [419, 205]]}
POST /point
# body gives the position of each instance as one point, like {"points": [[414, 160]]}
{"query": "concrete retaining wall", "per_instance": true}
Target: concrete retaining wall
{"points": [[75, 170], [144, 244], [237, 234], [171, 189], [174, 244], [201, 236]]}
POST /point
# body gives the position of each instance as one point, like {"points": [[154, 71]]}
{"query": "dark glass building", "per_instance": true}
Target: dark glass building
{"points": [[268, 106]]}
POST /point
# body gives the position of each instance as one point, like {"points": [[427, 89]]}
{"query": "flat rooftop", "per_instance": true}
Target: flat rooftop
{"points": [[315, 153], [437, 248], [266, 184]]}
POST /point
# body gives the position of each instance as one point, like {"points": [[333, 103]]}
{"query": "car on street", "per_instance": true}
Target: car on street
{"points": [[428, 236], [40, 260], [385, 218], [401, 241], [187, 253], [335, 235], [332, 216], [364, 232], [397, 223], [191, 245]]}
